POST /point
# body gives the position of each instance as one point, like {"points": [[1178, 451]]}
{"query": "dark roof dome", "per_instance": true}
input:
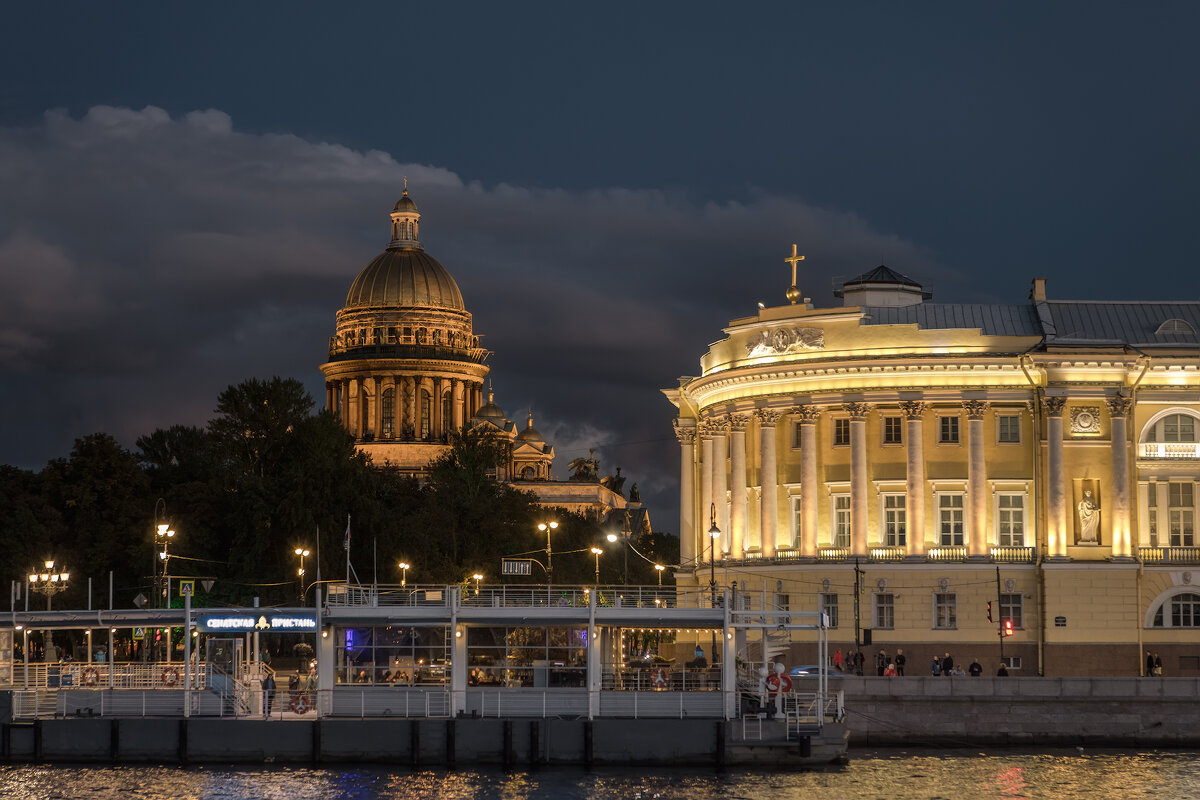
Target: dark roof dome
{"points": [[491, 411], [530, 433], [405, 277], [405, 203]]}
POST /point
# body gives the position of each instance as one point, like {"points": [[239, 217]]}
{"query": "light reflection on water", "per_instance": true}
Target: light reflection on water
{"points": [[885, 774]]}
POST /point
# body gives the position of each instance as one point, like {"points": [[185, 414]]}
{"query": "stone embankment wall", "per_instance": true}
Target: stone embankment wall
{"points": [[965, 711]]}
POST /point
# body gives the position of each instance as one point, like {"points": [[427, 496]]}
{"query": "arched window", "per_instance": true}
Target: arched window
{"points": [[426, 414], [1175, 325], [1173, 428], [389, 414], [447, 413], [1180, 611]]}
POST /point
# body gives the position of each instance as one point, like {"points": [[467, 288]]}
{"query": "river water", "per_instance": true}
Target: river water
{"points": [[884, 774]]}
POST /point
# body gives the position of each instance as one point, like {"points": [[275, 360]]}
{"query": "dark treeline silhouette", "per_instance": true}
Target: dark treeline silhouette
{"points": [[261, 479]]}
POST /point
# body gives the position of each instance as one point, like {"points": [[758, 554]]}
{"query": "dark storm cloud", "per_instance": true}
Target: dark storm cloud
{"points": [[147, 262]]}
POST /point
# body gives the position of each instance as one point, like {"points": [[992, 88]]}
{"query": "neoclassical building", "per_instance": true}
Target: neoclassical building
{"points": [[912, 467]]}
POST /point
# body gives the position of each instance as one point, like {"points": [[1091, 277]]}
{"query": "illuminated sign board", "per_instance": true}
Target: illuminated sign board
{"points": [[255, 620]]}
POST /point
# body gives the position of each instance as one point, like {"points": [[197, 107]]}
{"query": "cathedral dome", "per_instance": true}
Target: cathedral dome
{"points": [[404, 277], [530, 433]]}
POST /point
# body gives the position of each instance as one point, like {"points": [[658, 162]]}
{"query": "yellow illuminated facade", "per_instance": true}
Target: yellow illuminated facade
{"points": [[1042, 457]]}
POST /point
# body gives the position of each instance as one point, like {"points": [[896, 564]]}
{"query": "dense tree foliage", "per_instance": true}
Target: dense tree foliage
{"points": [[268, 475]]}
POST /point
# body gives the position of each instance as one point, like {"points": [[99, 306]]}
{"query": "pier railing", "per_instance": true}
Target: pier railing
{"points": [[516, 596]]}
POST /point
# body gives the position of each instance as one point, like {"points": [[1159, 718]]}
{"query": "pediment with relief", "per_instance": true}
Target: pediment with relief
{"points": [[781, 341]]}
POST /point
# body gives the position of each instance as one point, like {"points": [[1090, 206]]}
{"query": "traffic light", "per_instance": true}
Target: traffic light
{"points": [[1008, 628], [989, 610]]}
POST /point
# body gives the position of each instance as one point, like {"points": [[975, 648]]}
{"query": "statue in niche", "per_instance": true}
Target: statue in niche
{"points": [[1089, 518]]}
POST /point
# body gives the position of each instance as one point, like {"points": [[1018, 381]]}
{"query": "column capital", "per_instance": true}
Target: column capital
{"points": [[686, 436], [975, 408], [737, 422], [807, 415], [719, 425], [857, 411], [1119, 406], [1054, 405], [913, 409], [767, 417]]}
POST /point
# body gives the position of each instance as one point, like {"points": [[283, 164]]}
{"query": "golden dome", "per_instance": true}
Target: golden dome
{"points": [[404, 278]]}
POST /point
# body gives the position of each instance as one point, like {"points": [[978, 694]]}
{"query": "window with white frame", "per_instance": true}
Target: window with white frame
{"points": [[841, 520], [1008, 428], [1010, 520], [841, 432], [950, 519], [1180, 611], [945, 611], [885, 610], [893, 520], [947, 430], [1012, 607], [893, 430], [829, 607], [1181, 514], [1173, 428]]}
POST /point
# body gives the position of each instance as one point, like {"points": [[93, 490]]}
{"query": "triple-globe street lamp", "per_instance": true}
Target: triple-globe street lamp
{"points": [[547, 527]]}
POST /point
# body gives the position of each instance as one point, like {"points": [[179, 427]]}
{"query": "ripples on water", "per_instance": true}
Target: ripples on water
{"points": [[888, 775]]}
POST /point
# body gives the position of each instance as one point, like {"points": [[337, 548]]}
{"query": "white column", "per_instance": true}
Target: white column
{"points": [[807, 417], [858, 476], [737, 484], [344, 411], [914, 483], [1056, 494], [720, 427], [768, 517], [1122, 545], [687, 495], [706, 495], [977, 538], [458, 400]]}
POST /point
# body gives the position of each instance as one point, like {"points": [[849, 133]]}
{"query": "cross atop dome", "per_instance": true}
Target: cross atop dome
{"points": [[793, 292]]}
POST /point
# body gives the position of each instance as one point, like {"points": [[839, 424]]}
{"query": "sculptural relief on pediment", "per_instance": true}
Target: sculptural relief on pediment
{"points": [[781, 341]]}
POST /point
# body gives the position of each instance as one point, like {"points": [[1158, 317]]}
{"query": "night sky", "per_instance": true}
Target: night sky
{"points": [[187, 193]]}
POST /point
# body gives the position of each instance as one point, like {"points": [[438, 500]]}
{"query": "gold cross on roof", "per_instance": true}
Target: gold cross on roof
{"points": [[793, 259]]}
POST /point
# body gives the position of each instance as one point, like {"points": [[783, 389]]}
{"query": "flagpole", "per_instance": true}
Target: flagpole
{"points": [[347, 546]]}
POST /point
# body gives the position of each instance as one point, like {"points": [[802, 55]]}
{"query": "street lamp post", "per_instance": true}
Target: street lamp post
{"points": [[162, 538], [49, 582], [624, 536], [659, 568], [404, 566], [546, 527], [302, 552], [478, 577], [596, 551]]}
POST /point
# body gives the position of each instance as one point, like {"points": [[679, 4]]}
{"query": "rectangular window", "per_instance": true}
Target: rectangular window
{"points": [[1012, 608], [796, 430], [829, 606], [1181, 514], [893, 520], [948, 430], [841, 432], [1010, 520], [945, 611], [1012, 662], [950, 519], [885, 611], [893, 430], [841, 520], [1008, 428]]}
